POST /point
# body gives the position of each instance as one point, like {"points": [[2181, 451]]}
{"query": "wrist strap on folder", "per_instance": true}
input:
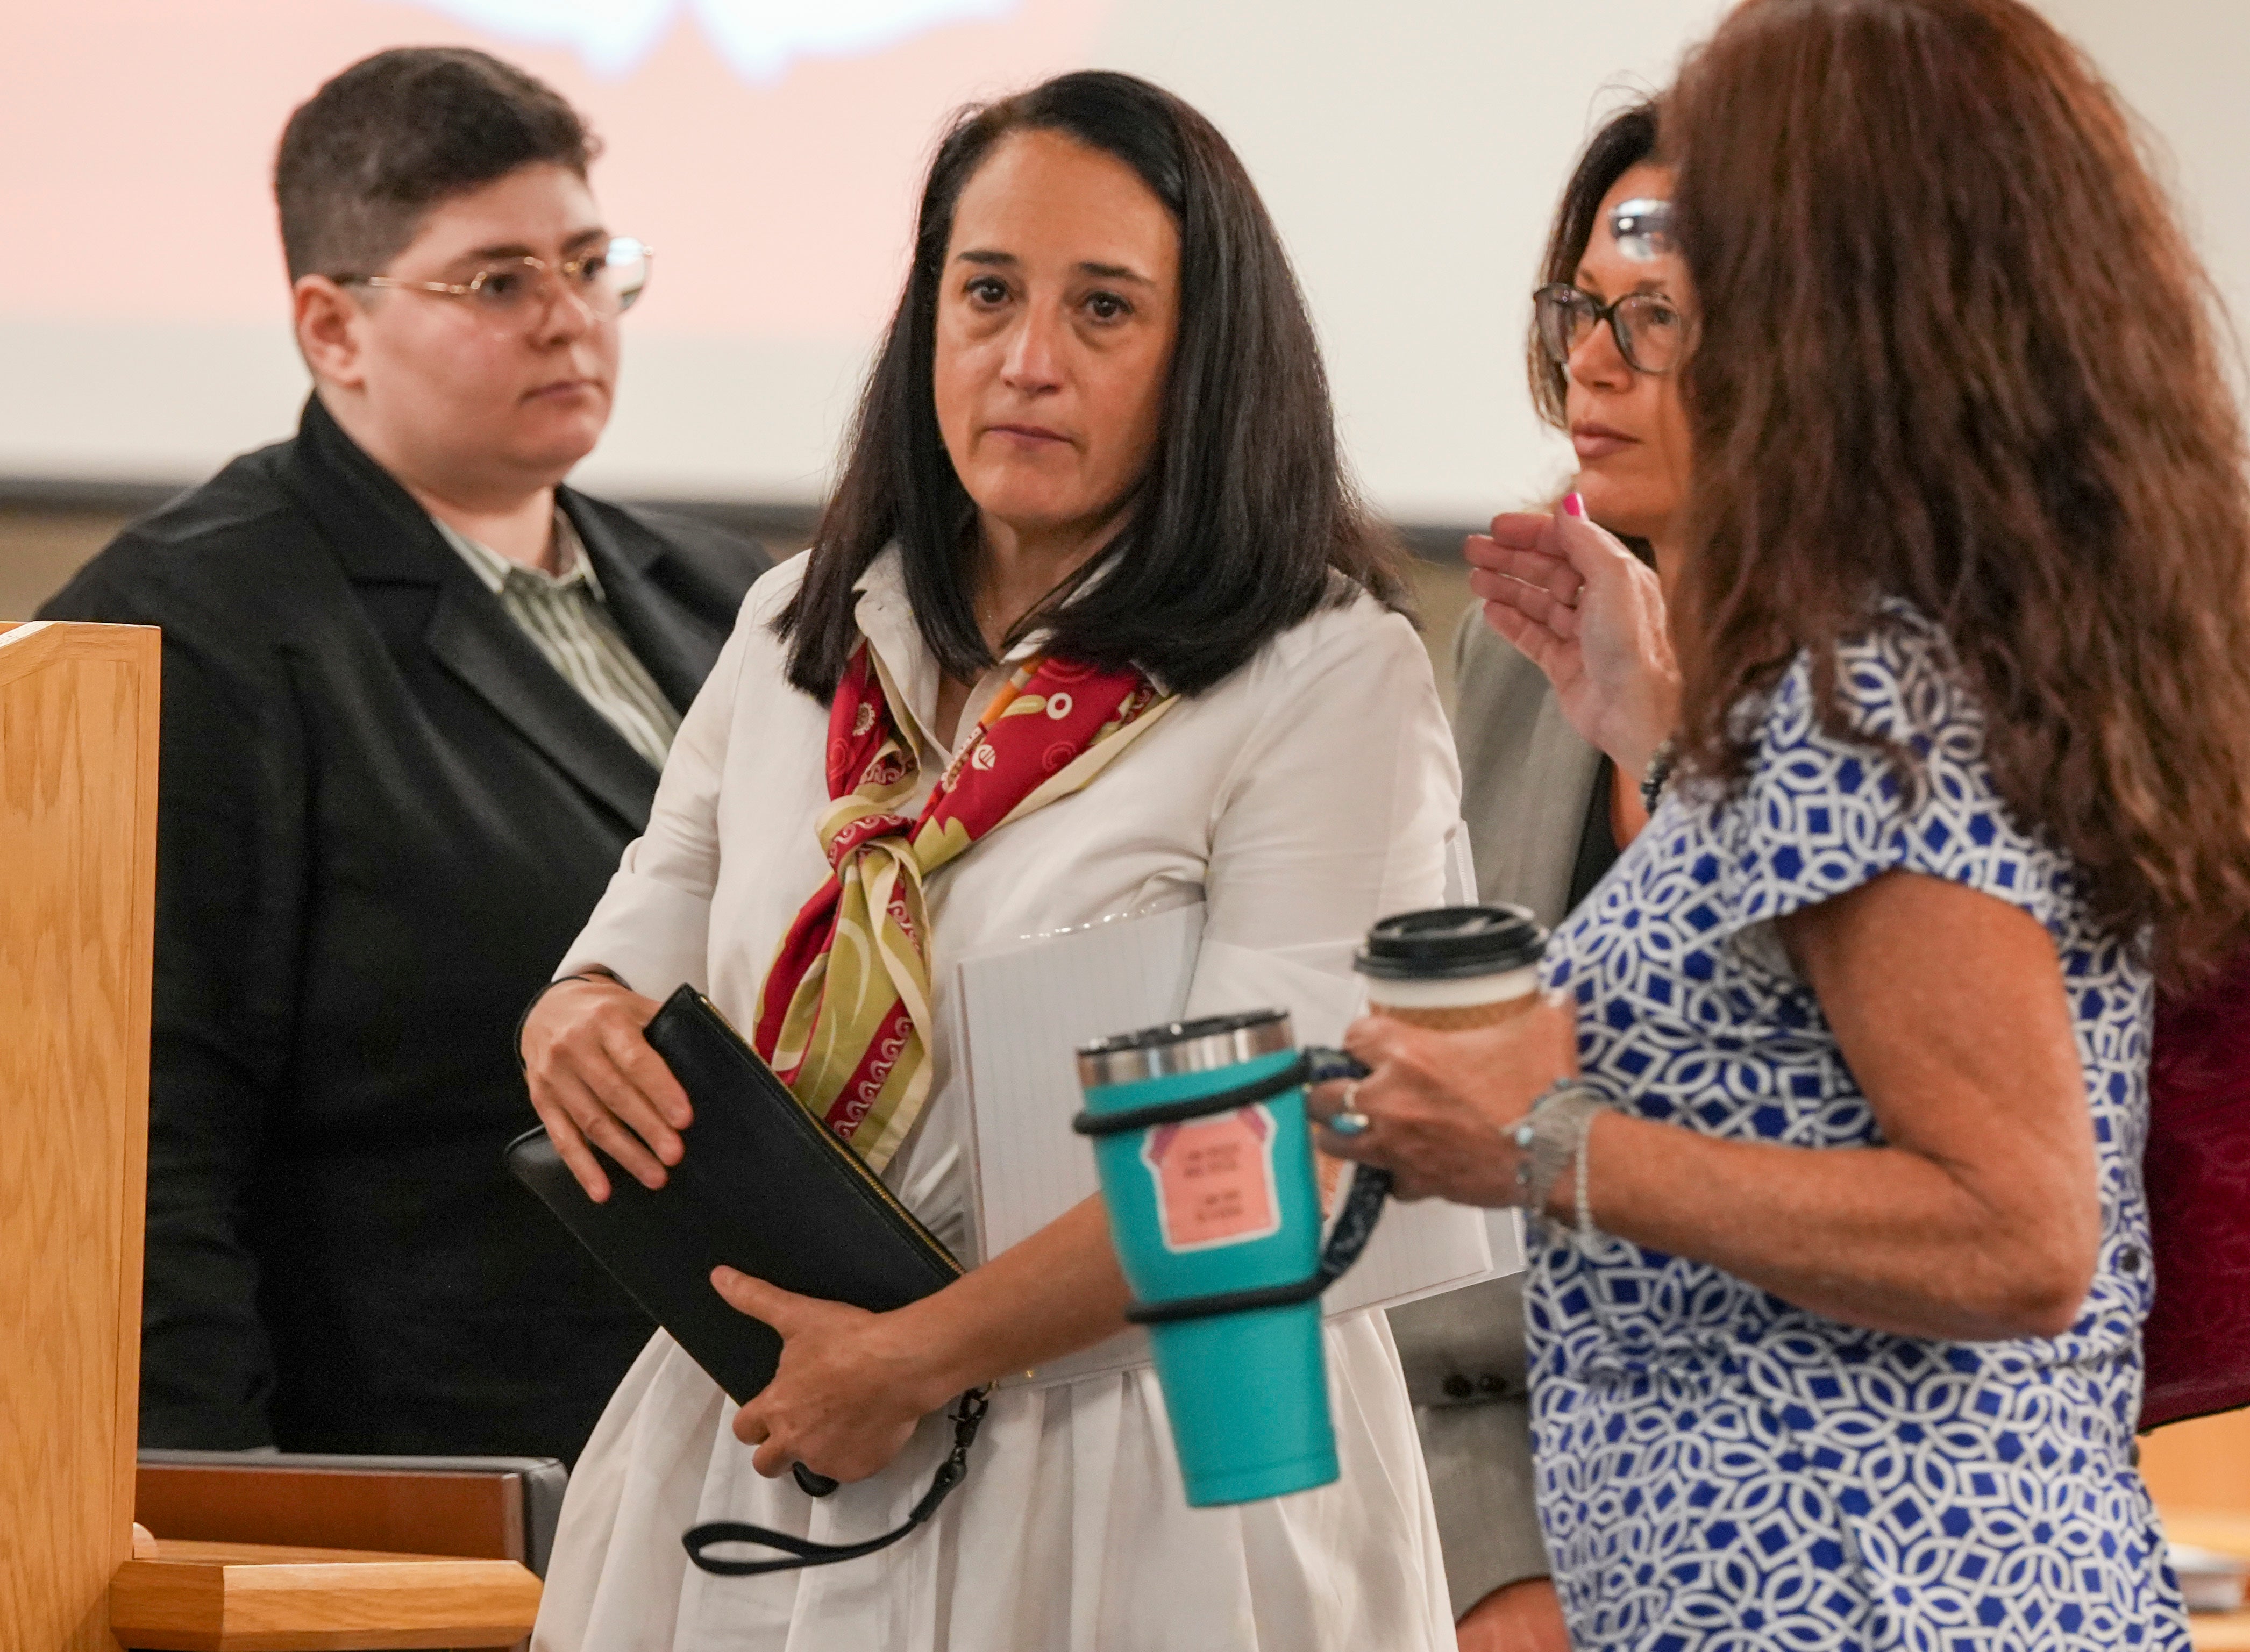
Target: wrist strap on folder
{"points": [[968, 1415]]}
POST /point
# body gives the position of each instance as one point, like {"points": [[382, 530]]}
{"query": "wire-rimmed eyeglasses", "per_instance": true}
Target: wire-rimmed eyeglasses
{"points": [[1650, 330], [517, 291]]}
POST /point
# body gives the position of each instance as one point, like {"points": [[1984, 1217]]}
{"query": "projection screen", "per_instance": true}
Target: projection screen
{"points": [[768, 150]]}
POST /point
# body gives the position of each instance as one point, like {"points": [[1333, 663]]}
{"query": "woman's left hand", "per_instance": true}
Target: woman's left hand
{"points": [[1439, 1105], [1590, 614], [849, 1391]]}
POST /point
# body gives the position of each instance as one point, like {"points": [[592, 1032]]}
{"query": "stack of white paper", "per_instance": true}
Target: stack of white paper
{"points": [[1025, 1012]]}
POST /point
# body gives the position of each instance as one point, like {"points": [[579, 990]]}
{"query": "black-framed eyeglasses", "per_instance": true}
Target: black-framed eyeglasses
{"points": [[1650, 330], [519, 292]]}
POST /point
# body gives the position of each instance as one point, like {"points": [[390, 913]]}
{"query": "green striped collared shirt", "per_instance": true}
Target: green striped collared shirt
{"points": [[566, 617]]}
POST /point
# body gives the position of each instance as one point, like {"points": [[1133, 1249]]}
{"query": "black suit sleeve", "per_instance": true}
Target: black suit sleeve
{"points": [[230, 881]]}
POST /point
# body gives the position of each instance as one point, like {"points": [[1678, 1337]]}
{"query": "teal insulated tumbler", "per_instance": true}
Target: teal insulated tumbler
{"points": [[1207, 1168]]}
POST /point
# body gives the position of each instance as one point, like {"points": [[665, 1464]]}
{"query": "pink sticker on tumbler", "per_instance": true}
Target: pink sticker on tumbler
{"points": [[1214, 1177]]}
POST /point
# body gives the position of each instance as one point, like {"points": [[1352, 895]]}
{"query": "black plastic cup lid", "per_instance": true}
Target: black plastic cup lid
{"points": [[1451, 944]]}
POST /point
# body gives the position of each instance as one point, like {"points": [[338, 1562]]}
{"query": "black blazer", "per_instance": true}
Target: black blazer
{"points": [[382, 816]]}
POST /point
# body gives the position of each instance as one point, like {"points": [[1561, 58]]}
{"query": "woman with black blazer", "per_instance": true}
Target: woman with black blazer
{"points": [[416, 692]]}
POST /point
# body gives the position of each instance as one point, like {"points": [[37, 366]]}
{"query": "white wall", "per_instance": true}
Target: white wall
{"points": [[1412, 154]]}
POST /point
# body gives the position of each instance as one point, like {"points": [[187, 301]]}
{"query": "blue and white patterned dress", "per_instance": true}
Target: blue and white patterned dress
{"points": [[1721, 1469]]}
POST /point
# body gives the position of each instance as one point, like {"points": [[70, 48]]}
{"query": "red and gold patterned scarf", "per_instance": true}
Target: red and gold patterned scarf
{"points": [[844, 1016]]}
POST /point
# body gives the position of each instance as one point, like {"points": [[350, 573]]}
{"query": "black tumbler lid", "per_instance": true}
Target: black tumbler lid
{"points": [[1452, 942]]}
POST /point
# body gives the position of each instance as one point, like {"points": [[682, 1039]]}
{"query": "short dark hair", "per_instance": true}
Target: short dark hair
{"points": [[1625, 140], [1247, 514], [372, 151]]}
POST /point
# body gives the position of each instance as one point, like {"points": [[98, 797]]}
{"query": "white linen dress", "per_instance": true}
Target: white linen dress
{"points": [[1303, 797]]}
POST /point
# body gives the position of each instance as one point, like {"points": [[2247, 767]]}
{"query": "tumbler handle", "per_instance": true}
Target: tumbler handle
{"points": [[1323, 1064], [1363, 1199]]}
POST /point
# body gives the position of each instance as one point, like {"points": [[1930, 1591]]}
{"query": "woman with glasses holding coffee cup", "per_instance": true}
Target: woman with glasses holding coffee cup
{"points": [[1834, 1126], [1094, 625]]}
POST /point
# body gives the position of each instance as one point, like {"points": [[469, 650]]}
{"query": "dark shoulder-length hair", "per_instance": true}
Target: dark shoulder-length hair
{"points": [[1624, 140], [1245, 511], [1954, 348]]}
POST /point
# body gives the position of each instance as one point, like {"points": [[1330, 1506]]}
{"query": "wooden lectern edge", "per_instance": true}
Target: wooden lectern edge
{"points": [[228, 1597], [73, 689], [143, 644], [33, 645]]}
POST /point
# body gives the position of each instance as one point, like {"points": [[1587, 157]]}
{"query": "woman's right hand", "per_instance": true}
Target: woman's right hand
{"points": [[1590, 614], [594, 1078], [1440, 1107]]}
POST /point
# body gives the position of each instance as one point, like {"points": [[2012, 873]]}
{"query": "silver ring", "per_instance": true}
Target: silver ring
{"points": [[1348, 1120]]}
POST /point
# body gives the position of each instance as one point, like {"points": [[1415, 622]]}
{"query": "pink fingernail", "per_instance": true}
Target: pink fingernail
{"points": [[1574, 505]]}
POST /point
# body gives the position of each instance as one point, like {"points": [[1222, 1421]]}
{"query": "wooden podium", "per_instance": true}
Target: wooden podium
{"points": [[78, 861], [78, 873]]}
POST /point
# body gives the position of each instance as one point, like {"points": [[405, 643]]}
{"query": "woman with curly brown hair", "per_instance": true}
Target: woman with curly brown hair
{"points": [[1836, 1127]]}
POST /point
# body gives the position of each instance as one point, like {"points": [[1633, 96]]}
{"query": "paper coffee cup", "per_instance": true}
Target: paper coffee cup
{"points": [[1452, 968]]}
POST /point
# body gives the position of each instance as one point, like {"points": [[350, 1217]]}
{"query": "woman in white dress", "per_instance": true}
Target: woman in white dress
{"points": [[1093, 587]]}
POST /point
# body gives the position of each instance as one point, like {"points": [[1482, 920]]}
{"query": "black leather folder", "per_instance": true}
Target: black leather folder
{"points": [[762, 1186]]}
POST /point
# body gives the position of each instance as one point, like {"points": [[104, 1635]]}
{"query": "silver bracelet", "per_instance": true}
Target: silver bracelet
{"points": [[1548, 1137], [1585, 1203]]}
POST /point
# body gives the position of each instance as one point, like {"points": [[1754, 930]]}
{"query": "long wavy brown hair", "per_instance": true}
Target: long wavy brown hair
{"points": [[1955, 349]]}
